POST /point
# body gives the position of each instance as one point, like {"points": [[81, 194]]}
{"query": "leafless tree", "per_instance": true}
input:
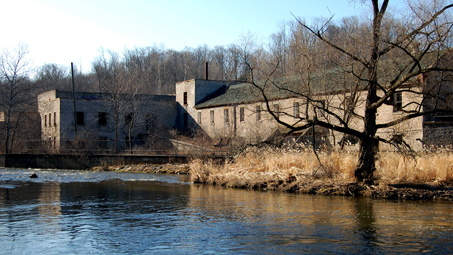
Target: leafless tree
{"points": [[374, 60], [15, 90]]}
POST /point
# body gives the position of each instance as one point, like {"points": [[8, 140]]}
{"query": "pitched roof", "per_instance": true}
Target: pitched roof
{"points": [[331, 81]]}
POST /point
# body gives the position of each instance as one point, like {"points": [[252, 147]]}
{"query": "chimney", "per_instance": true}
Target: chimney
{"points": [[207, 70]]}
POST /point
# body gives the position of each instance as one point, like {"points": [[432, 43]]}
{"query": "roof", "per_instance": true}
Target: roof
{"points": [[101, 96], [331, 81], [281, 88]]}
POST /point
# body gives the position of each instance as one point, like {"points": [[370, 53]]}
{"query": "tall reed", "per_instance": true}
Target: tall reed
{"points": [[269, 167]]}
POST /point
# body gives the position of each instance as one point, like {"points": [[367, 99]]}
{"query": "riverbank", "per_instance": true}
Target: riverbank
{"points": [[426, 176]]}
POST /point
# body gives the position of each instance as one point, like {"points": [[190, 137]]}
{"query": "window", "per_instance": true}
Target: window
{"points": [[277, 110], [185, 98], [241, 114], [80, 118], [102, 118], [185, 119], [50, 119], [212, 116], [129, 119], [296, 110], [397, 101], [320, 108], [199, 117], [226, 115], [258, 112], [55, 119], [45, 120]]}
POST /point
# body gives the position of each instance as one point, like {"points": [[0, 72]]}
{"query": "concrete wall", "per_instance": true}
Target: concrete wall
{"points": [[151, 113]]}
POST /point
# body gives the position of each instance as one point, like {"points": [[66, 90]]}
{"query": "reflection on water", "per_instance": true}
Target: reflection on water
{"points": [[84, 212]]}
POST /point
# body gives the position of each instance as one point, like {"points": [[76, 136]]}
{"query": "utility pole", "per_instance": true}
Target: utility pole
{"points": [[74, 100]]}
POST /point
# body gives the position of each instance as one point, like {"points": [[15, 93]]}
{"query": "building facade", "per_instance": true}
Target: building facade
{"points": [[226, 111], [230, 112], [102, 121]]}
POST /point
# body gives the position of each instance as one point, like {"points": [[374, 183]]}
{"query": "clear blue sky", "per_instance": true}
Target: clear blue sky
{"points": [[65, 31]]}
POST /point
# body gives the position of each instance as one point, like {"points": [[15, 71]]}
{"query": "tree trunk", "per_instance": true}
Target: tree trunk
{"points": [[367, 160], [369, 145]]}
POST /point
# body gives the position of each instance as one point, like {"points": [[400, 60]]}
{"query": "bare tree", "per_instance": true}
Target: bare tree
{"points": [[52, 76], [15, 88], [369, 64]]}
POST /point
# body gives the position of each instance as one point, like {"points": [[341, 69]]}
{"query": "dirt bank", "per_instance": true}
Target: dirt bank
{"points": [[147, 168]]}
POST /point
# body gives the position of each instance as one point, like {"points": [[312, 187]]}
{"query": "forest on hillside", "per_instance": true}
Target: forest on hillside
{"points": [[380, 51]]}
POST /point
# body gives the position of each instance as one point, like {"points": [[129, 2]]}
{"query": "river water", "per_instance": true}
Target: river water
{"points": [[78, 212]]}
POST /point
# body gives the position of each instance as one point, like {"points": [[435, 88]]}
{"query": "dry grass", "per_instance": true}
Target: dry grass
{"points": [[278, 169], [420, 168]]}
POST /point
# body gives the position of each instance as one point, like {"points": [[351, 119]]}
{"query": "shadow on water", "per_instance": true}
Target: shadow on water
{"points": [[68, 212]]}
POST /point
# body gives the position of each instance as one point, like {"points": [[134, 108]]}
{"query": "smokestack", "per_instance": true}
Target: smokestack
{"points": [[207, 70]]}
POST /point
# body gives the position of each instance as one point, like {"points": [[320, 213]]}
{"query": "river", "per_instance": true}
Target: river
{"points": [[79, 212]]}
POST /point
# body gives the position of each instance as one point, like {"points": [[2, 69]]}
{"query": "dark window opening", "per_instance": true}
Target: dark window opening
{"points": [[102, 118], [212, 116], [296, 110], [80, 120], [186, 119], [226, 115], [185, 98], [241, 114], [129, 119], [397, 101], [258, 112]]}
